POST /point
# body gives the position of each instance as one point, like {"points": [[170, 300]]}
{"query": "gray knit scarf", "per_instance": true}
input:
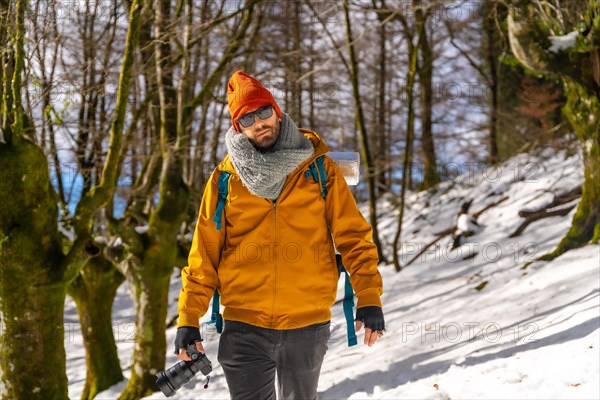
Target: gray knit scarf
{"points": [[264, 173]]}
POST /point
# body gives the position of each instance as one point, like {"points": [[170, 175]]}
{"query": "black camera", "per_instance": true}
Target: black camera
{"points": [[172, 379]]}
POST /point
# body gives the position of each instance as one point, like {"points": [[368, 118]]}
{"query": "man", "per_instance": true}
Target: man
{"points": [[272, 259]]}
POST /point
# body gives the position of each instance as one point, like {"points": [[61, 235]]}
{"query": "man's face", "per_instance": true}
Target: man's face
{"points": [[263, 133]]}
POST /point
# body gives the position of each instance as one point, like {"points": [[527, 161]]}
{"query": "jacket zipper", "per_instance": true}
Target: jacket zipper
{"points": [[275, 262], [275, 259]]}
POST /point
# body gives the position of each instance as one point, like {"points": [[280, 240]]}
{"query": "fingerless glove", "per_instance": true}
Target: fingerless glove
{"points": [[186, 335], [371, 317]]}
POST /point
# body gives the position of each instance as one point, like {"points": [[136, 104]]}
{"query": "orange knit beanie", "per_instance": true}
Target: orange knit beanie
{"points": [[245, 94]]}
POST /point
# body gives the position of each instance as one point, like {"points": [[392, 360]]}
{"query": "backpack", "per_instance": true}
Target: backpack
{"points": [[319, 174]]}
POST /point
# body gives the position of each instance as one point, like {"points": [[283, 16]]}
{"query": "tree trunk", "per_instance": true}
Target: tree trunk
{"points": [[410, 127], [149, 277], [298, 70], [311, 85], [34, 272], [9, 64], [384, 148], [32, 297], [151, 290], [583, 111], [364, 138], [214, 144], [94, 296], [156, 253], [580, 75], [148, 274], [492, 59], [3, 42], [430, 173], [32, 353]]}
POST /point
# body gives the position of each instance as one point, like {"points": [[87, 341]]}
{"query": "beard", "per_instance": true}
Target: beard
{"points": [[267, 140]]}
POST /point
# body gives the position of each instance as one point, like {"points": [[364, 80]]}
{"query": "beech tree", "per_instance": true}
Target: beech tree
{"points": [[562, 40], [150, 234], [36, 269], [413, 44], [354, 73]]}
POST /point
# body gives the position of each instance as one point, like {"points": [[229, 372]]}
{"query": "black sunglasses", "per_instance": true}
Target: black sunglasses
{"points": [[247, 120]]}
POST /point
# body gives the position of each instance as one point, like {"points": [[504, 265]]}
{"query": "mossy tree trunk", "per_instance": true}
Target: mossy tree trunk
{"points": [[150, 285], [583, 111], [4, 18], [32, 295], [155, 253], [578, 68], [95, 286], [150, 268], [31, 292], [94, 293], [34, 270]]}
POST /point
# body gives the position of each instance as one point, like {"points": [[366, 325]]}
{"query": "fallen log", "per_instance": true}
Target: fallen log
{"points": [[559, 200], [536, 216]]}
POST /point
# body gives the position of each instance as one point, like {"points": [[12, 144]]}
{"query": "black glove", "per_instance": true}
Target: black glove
{"points": [[186, 335], [371, 317]]}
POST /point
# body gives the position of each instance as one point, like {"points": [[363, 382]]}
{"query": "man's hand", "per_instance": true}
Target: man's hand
{"points": [[372, 317], [187, 335]]}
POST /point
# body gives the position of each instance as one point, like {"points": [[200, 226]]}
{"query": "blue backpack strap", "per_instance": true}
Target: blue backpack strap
{"points": [[312, 171], [223, 186], [319, 174], [348, 309], [216, 317], [320, 161]]}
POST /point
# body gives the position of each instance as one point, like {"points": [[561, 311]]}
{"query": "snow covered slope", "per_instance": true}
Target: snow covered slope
{"points": [[526, 333]]}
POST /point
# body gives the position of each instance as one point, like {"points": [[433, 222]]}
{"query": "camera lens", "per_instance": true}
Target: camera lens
{"points": [[175, 377], [172, 379], [164, 385]]}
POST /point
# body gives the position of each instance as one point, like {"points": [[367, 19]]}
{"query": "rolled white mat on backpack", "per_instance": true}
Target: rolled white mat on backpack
{"points": [[349, 164]]}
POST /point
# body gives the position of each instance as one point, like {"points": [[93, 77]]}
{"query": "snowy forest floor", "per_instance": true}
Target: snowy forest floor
{"points": [[526, 333]]}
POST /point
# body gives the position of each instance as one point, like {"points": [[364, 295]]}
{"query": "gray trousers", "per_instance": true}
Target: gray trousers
{"points": [[250, 357]]}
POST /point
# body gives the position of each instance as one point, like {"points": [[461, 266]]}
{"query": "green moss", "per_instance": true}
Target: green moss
{"points": [[596, 237], [31, 297], [527, 264], [152, 290], [32, 350], [583, 111], [135, 389], [583, 228], [94, 292]]}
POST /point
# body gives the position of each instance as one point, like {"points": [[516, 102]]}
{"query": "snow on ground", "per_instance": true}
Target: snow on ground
{"points": [[529, 333]]}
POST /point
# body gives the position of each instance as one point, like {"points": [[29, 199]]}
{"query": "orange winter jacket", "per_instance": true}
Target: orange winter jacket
{"points": [[274, 262]]}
